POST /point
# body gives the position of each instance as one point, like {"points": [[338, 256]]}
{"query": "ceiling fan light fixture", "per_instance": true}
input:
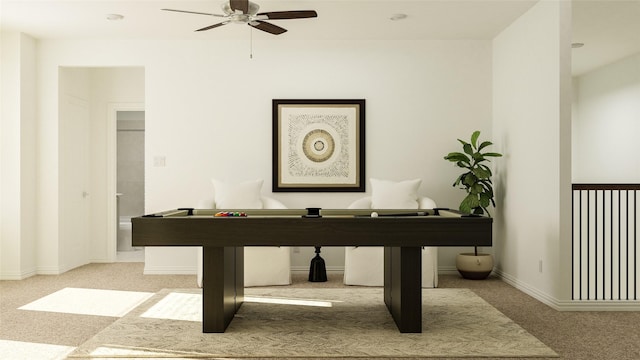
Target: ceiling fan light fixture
{"points": [[246, 12], [239, 18], [396, 17]]}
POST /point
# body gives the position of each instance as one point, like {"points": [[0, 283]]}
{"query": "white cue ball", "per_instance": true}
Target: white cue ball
{"points": [[374, 214]]}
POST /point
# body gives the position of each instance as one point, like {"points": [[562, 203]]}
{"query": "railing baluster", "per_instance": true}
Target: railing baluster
{"points": [[611, 252], [619, 250], [580, 242], [573, 263], [626, 234], [588, 259], [595, 245]]}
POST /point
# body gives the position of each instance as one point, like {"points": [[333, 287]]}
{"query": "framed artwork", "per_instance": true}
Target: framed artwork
{"points": [[318, 145]]}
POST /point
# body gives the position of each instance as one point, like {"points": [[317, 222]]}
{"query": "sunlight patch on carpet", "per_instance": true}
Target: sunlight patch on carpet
{"points": [[114, 303], [10, 350], [177, 306], [188, 307], [286, 301]]}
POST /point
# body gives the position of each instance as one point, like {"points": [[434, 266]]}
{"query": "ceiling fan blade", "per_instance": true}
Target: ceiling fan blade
{"points": [[213, 26], [242, 5], [265, 26], [193, 12], [296, 14]]}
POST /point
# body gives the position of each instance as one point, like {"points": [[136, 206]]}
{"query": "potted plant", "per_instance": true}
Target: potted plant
{"points": [[476, 181]]}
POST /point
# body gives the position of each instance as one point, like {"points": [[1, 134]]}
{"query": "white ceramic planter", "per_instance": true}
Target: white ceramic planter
{"points": [[474, 267]]}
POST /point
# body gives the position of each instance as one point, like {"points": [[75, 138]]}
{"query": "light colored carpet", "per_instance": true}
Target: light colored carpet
{"points": [[456, 323], [89, 302], [20, 350]]}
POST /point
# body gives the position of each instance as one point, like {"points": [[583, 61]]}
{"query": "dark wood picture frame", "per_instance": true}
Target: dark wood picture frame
{"points": [[318, 145]]}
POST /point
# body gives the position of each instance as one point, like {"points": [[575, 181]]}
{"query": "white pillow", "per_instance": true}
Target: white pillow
{"points": [[387, 194], [244, 195]]}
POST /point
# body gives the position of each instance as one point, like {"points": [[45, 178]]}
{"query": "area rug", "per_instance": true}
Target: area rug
{"points": [[315, 323]]}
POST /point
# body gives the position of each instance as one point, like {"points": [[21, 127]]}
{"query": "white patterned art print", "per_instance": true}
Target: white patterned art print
{"points": [[318, 145]]}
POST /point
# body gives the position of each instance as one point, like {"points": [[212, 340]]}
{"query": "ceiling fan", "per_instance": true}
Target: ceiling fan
{"points": [[246, 12]]}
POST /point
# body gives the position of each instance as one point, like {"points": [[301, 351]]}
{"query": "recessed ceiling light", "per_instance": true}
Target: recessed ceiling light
{"points": [[395, 17], [114, 17], [577, 45]]}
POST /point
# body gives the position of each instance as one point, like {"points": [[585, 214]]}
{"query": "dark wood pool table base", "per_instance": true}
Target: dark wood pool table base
{"points": [[223, 286]]}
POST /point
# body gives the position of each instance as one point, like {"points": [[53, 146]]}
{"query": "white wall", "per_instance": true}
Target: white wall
{"points": [[532, 128], [607, 124], [10, 156], [208, 109], [18, 156]]}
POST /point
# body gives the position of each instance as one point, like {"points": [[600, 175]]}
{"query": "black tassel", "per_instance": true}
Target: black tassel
{"points": [[317, 270]]}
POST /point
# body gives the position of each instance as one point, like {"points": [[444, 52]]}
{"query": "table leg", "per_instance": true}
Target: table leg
{"points": [[239, 273], [403, 286], [222, 292]]}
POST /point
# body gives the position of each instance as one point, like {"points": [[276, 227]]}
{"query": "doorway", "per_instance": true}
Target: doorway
{"points": [[85, 93], [130, 134]]}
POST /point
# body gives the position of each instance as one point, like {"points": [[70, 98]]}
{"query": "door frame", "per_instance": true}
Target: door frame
{"points": [[112, 173]]}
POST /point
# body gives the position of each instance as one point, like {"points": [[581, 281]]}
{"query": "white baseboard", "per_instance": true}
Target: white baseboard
{"points": [[170, 270], [529, 290], [18, 275], [305, 269], [190, 270], [570, 305], [443, 270], [599, 305], [447, 270]]}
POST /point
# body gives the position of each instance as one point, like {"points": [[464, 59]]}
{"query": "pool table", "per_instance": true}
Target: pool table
{"points": [[402, 233]]}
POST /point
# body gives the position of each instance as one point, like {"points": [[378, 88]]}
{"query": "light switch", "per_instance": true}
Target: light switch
{"points": [[159, 161]]}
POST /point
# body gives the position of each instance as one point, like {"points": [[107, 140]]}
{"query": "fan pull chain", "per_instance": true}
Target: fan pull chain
{"points": [[250, 43]]}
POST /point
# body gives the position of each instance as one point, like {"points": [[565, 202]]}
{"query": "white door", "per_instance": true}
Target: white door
{"points": [[74, 182]]}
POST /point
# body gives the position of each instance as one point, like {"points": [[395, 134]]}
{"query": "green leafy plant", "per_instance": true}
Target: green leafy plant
{"points": [[476, 180]]}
